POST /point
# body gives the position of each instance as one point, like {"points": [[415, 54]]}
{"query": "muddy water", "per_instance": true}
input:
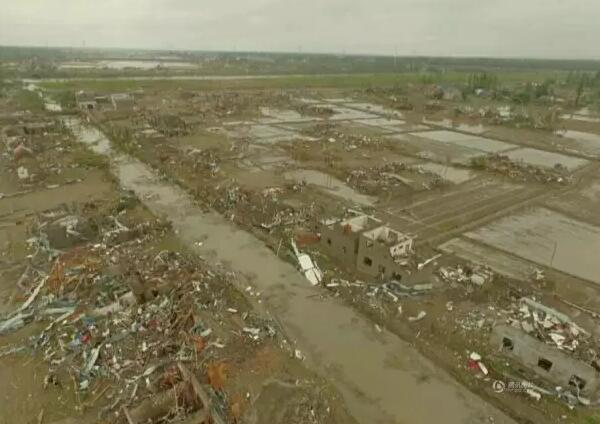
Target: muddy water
{"points": [[464, 140], [584, 141], [544, 159], [330, 185], [450, 124], [382, 379], [547, 238]]}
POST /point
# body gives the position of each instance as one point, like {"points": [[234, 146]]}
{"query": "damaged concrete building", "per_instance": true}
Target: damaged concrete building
{"points": [[122, 102], [545, 342], [364, 242], [549, 363]]}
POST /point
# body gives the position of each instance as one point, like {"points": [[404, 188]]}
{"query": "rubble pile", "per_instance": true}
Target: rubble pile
{"points": [[388, 177], [551, 327], [38, 159], [521, 171], [132, 325], [315, 110], [330, 133], [475, 275]]}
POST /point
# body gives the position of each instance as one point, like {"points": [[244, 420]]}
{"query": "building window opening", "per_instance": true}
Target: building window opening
{"points": [[507, 344], [544, 364], [368, 261], [578, 382]]}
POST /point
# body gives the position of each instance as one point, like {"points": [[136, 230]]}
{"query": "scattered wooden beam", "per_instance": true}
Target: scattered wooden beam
{"points": [[200, 393]]}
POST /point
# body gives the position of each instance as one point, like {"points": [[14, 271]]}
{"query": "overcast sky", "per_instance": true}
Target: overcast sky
{"points": [[513, 28]]}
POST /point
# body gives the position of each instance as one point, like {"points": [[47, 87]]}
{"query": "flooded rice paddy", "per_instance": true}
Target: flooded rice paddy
{"points": [[547, 238]]}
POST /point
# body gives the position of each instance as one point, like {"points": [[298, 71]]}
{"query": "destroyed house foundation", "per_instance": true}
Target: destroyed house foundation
{"points": [[550, 364]]}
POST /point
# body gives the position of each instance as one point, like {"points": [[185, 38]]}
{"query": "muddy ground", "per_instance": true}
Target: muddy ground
{"points": [[274, 163], [71, 229]]}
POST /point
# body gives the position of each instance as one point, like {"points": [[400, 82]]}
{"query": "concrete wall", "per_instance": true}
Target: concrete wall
{"points": [[350, 249], [378, 254], [528, 351], [402, 248], [339, 245]]}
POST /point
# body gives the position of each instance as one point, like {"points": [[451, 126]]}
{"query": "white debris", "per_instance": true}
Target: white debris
{"points": [[475, 356], [419, 316], [534, 394], [22, 173], [311, 270], [538, 274], [92, 360], [527, 327], [428, 261], [558, 339], [252, 331], [478, 279]]}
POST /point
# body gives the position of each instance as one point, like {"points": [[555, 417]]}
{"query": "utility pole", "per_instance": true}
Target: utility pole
{"points": [[553, 253]]}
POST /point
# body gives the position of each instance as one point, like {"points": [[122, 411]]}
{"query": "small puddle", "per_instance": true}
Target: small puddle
{"points": [[582, 142], [370, 107], [544, 159], [330, 185], [450, 124], [465, 140], [448, 173], [581, 136], [584, 114], [89, 135], [547, 238], [271, 115]]}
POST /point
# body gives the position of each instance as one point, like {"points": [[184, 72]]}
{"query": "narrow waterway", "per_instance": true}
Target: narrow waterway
{"points": [[382, 378]]}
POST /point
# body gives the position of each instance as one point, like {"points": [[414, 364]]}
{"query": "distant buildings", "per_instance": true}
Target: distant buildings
{"points": [[118, 102], [122, 101]]}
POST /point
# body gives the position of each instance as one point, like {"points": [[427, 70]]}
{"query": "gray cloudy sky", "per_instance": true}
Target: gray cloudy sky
{"points": [[523, 28]]}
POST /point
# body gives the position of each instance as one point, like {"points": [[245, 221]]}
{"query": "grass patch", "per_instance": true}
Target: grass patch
{"points": [[339, 81], [28, 100], [89, 159]]}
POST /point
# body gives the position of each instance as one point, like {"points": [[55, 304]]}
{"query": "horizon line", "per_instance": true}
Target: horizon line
{"points": [[305, 53]]}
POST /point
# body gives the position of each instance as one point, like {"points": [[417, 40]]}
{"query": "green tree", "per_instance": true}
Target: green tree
{"points": [[579, 91]]}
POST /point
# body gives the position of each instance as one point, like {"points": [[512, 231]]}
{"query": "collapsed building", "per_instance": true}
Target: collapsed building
{"points": [[544, 342], [87, 101], [365, 243], [122, 102]]}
